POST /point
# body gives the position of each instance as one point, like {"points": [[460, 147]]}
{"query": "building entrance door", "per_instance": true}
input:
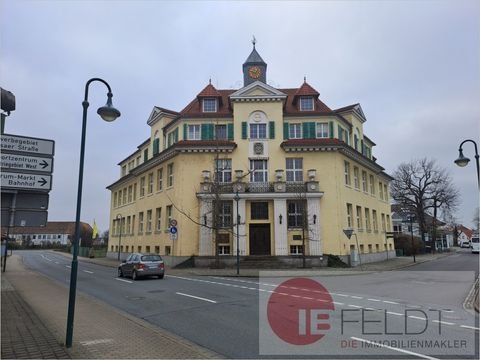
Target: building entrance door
{"points": [[259, 239]]}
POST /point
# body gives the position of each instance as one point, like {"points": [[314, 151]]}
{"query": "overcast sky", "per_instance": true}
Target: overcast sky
{"points": [[414, 66]]}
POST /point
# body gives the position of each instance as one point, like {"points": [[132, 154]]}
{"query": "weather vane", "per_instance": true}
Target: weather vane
{"points": [[254, 41]]}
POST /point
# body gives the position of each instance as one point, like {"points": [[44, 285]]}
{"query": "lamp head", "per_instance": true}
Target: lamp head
{"points": [[462, 160], [108, 112]]}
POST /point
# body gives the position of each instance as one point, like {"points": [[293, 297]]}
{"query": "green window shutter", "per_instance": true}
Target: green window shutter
{"points": [[244, 129], [285, 131], [362, 147], [145, 155], [169, 139], [331, 129], [271, 129], [308, 130], [313, 130], [204, 131], [176, 134], [185, 132], [156, 146], [340, 132], [211, 131], [230, 131]]}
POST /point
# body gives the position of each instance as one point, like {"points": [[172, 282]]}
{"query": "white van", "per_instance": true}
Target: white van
{"points": [[475, 244]]}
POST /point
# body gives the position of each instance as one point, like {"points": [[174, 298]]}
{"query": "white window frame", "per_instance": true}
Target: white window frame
{"points": [[295, 131], [260, 174], [209, 105], [348, 180], [224, 128], [258, 131], [356, 180], [194, 132], [223, 170], [322, 130], [307, 103], [294, 167]]}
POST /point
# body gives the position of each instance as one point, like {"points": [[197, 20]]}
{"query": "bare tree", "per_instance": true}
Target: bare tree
{"points": [[423, 186]]}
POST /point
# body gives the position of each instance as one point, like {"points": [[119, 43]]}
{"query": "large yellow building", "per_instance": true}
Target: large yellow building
{"points": [[298, 172]]}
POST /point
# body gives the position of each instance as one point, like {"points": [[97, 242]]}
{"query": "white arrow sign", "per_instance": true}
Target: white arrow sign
{"points": [[26, 181], [23, 162], [27, 144]]}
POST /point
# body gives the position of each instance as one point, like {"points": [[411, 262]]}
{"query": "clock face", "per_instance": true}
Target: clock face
{"points": [[254, 72]]}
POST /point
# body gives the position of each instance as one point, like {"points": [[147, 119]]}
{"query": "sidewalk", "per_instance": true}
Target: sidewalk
{"points": [[34, 312], [388, 265]]}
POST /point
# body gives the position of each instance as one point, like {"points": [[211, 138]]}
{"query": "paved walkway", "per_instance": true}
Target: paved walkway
{"points": [[34, 310]]}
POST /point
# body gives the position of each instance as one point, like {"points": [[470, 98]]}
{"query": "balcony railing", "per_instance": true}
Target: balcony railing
{"points": [[260, 187]]}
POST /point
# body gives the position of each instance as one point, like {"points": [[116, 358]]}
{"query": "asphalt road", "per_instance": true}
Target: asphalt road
{"points": [[240, 317]]}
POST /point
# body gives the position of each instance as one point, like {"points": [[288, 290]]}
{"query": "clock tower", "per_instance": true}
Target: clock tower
{"points": [[254, 68]]}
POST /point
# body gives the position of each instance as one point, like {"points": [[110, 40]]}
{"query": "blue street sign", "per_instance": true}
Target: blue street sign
{"points": [[173, 230]]}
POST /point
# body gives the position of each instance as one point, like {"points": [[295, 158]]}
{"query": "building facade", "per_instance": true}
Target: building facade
{"points": [[275, 170], [54, 233]]}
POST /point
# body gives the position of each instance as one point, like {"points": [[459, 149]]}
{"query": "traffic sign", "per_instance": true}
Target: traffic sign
{"points": [[26, 181], [25, 144], [26, 218], [173, 230], [173, 222], [25, 162], [28, 200]]}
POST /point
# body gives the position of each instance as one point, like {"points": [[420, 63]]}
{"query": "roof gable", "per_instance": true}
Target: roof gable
{"points": [[257, 90], [356, 109], [158, 112]]}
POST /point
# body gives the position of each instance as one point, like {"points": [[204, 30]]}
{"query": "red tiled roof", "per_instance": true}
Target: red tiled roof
{"points": [[53, 227], [311, 142], [205, 143], [292, 109], [209, 91], [466, 231], [306, 90], [194, 109]]}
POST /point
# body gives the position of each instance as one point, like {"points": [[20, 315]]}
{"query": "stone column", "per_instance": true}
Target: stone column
{"points": [[281, 240], [205, 244], [313, 209]]}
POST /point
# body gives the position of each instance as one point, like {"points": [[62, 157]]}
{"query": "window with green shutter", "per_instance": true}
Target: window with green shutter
{"points": [[176, 134], [331, 129], [271, 129], [244, 129], [340, 133], [309, 131], [145, 155], [156, 146], [207, 131], [230, 131]]}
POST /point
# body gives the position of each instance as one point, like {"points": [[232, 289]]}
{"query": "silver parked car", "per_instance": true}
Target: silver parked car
{"points": [[138, 265]]}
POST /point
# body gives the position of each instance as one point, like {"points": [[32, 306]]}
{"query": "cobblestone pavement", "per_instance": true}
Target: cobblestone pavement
{"points": [[37, 306], [24, 336]]}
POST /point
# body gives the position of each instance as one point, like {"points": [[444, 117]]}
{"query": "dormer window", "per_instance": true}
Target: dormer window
{"points": [[209, 105], [306, 103]]}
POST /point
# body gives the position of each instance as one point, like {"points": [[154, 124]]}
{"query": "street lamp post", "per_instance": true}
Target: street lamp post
{"points": [[107, 113], [463, 161], [120, 235], [237, 198]]}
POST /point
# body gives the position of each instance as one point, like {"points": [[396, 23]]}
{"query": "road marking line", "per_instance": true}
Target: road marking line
{"points": [[95, 342], [89, 272], [394, 348], [443, 322], [127, 281], [373, 300], [356, 297], [342, 295], [68, 266], [355, 306], [56, 262], [394, 313], [390, 302], [417, 317], [469, 327], [338, 303], [196, 297]]}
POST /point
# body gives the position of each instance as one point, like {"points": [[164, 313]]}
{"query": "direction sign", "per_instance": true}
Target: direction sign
{"points": [[26, 144], [26, 181], [26, 218], [24, 162]]}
